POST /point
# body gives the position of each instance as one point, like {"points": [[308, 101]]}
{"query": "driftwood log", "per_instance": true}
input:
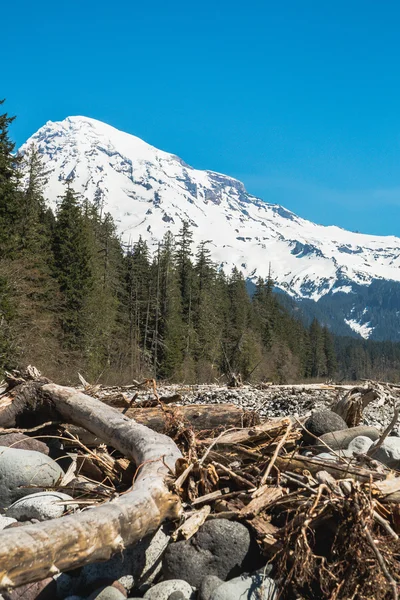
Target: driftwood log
{"points": [[351, 406], [199, 417], [33, 552]]}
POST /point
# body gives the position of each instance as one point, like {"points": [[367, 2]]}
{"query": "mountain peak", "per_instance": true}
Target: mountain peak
{"points": [[149, 191]]}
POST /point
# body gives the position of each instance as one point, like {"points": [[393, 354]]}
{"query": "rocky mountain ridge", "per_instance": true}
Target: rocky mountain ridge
{"points": [[149, 191]]}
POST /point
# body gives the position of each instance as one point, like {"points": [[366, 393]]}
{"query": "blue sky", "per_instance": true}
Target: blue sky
{"points": [[299, 99]]}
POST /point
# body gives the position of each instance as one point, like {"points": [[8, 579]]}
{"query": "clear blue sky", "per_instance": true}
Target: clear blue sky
{"points": [[300, 99]]}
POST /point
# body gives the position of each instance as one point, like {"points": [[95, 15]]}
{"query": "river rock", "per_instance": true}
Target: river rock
{"points": [[340, 440], [208, 585], [6, 521], [250, 587], [107, 593], [360, 445], [163, 590], [23, 442], [41, 506], [320, 422], [40, 590], [21, 469], [388, 453], [220, 547], [136, 566]]}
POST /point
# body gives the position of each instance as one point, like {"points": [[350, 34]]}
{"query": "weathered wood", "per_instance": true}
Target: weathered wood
{"points": [[351, 406], [31, 553], [198, 416]]}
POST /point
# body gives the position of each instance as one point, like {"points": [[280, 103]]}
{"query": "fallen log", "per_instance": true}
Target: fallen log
{"points": [[33, 552], [199, 417]]}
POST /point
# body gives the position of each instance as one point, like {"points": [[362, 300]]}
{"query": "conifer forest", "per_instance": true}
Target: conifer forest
{"points": [[74, 298]]}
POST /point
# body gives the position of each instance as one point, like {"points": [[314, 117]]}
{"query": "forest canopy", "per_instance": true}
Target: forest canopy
{"points": [[74, 298]]}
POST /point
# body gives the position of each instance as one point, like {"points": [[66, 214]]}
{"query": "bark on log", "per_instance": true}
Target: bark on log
{"points": [[31, 553]]}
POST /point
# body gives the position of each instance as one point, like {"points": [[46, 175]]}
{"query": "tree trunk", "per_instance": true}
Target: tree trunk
{"points": [[33, 552]]}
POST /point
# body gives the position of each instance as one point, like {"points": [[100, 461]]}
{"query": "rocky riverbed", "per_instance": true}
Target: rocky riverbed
{"points": [[222, 560], [279, 400]]}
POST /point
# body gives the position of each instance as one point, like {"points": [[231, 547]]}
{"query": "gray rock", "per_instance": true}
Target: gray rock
{"points": [[208, 585], [339, 440], [21, 469], [67, 585], [360, 445], [248, 587], [107, 593], [178, 595], [388, 453], [321, 422], [5, 521], [41, 506], [163, 590], [327, 456], [220, 547], [23, 442], [137, 566]]}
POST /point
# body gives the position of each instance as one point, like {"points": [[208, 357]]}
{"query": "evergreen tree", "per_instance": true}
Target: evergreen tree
{"points": [[329, 350], [9, 206], [171, 332], [73, 269], [318, 366]]}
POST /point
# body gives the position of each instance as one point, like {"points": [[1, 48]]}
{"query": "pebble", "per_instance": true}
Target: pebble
{"points": [[250, 587], [22, 469], [163, 590], [41, 506], [360, 445]]}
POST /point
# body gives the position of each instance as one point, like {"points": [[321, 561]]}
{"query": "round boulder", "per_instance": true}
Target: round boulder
{"points": [[24, 472], [388, 454], [21, 441], [321, 422], [41, 506], [360, 445], [220, 547]]}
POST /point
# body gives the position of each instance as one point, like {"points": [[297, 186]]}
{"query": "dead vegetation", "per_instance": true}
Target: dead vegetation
{"points": [[329, 528]]}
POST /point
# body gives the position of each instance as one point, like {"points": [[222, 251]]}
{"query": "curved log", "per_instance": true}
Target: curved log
{"points": [[33, 552]]}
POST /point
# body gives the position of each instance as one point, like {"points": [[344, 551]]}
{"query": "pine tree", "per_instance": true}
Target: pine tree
{"points": [[9, 206], [170, 336], [318, 367], [73, 269], [329, 350]]}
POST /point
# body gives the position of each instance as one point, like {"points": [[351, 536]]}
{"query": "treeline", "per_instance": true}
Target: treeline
{"points": [[74, 299]]}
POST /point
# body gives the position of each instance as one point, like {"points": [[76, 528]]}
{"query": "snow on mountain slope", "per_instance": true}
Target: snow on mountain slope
{"points": [[149, 191]]}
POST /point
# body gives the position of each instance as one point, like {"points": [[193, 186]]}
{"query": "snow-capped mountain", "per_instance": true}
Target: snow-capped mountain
{"points": [[149, 191]]}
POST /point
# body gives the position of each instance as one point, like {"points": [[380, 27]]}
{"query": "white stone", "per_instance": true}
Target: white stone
{"points": [[388, 453], [24, 472], [360, 445], [4, 521], [163, 590], [42, 506]]}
